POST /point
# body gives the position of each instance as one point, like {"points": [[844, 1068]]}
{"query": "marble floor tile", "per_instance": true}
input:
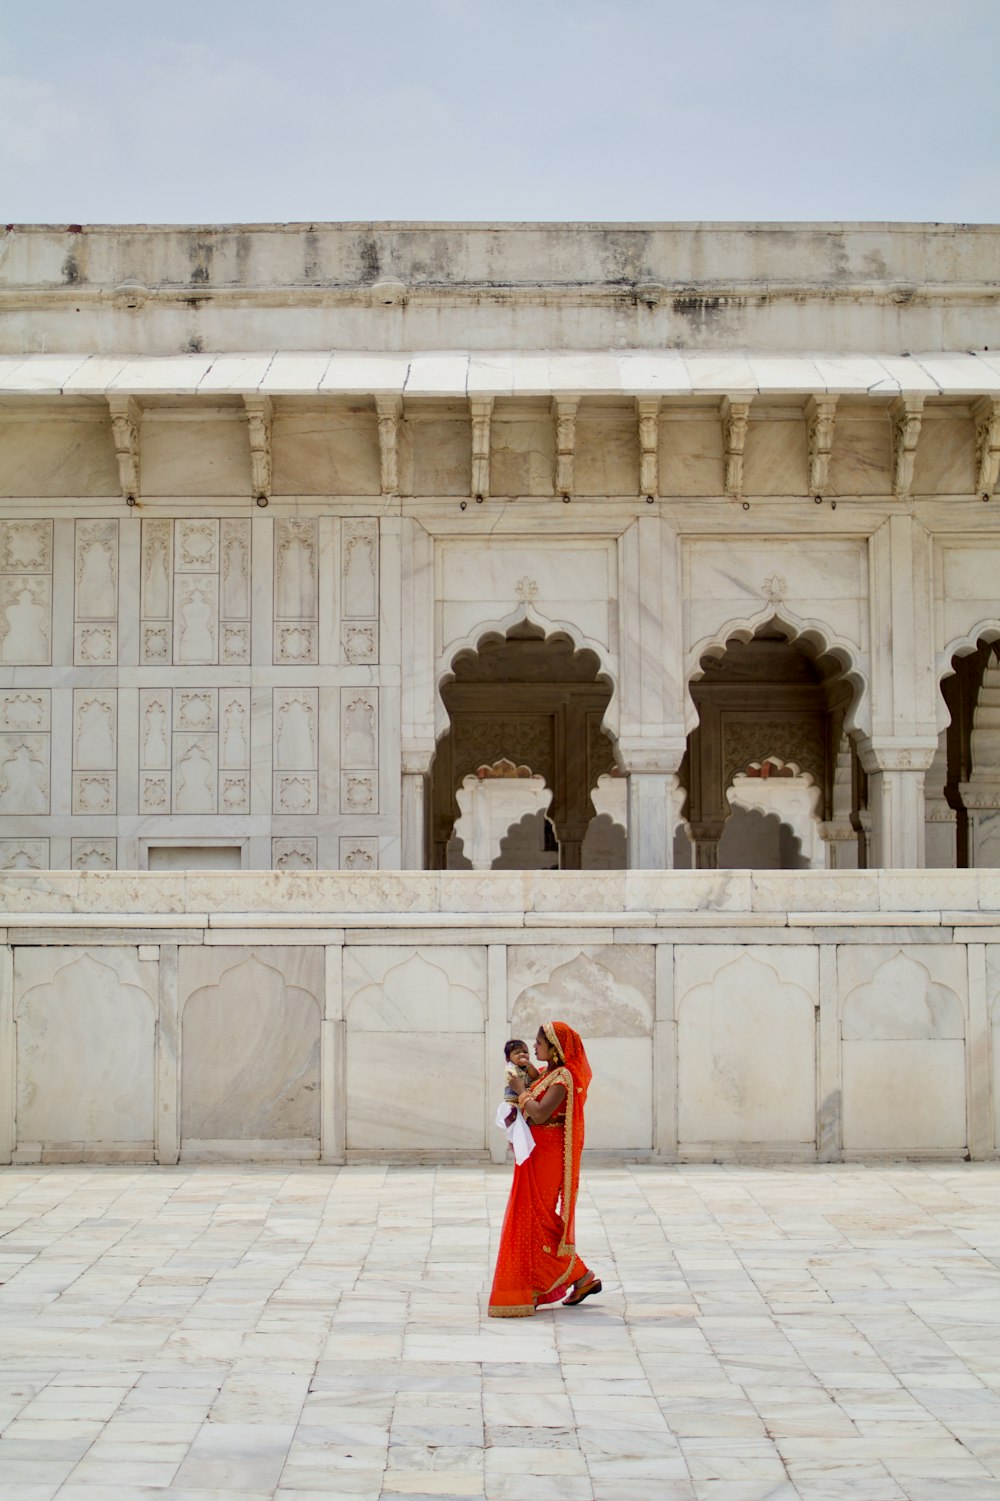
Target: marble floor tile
{"points": [[247, 1333]]}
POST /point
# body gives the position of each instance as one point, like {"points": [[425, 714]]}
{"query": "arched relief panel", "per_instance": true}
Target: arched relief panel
{"points": [[746, 1046], [903, 1030], [85, 1026], [427, 1007], [993, 1003], [250, 1046], [607, 993]]}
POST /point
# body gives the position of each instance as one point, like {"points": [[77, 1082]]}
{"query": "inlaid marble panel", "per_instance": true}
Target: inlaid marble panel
{"points": [[296, 729], [195, 773], [25, 620], [96, 570], [358, 854], [294, 854], [94, 854], [95, 714], [85, 1032], [296, 558], [603, 991], [250, 1034], [26, 709]]}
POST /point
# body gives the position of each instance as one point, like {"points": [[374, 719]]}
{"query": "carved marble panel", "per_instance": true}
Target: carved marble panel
{"points": [[294, 854], [296, 729], [195, 773], [154, 792], [24, 773], [359, 568], [196, 619], [295, 792], [236, 570], [157, 569], [603, 991], [234, 727], [296, 558], [85, 1033], [358, 854], [94, 854], [235, 642], [96, 570], [155, 710], [250, 1036], [295, 645], [25, 546], [25, 709], [359, 792], [359, 641], [24, 854], [903, 1051], [95, 729], [197, 546], [359, 727], [155, 644], [234, 792], [94, 792], [25, 620], [195, 709], [746, 1040], [95, 645]]}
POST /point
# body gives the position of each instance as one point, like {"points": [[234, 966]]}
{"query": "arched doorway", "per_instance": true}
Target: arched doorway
{"points": [[535, 701], [962, 786], [772, 706]]}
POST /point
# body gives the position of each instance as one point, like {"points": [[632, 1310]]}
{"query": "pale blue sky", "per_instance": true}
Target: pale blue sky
{"points": [[217, 111]]}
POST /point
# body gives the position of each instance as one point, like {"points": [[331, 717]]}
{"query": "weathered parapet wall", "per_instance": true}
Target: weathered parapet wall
{"points": [[333, 1015], [885, 288]]}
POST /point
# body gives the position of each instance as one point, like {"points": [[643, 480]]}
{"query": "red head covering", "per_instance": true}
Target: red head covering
{"points": [[569, 1045]]}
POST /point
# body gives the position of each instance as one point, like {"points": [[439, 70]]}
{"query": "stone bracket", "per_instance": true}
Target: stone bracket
{"points": [[893, 756], [125, 417], [820, 413], [648, 410], [389, 410], [986, 414], [481, 409], [735, 417], [564, 410], [906, 413], [260, 414]]}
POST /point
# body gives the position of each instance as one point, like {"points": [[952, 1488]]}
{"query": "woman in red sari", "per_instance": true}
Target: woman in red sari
{"points": [[537, 1262]]}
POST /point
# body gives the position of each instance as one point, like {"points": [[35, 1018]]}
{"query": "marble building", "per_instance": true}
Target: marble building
{"points": [[406, 627]]}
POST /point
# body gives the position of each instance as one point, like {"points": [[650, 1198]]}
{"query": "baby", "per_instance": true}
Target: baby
{"points": [[519, 1072]]}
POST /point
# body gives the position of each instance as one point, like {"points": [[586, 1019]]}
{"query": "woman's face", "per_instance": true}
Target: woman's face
{"points": [[544, 1051]]}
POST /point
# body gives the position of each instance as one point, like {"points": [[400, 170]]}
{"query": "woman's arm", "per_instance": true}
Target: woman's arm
{"points": [[542, 1110]]}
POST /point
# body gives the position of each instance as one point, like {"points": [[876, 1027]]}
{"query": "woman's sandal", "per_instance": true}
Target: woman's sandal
{"points": [[593, 1286]]}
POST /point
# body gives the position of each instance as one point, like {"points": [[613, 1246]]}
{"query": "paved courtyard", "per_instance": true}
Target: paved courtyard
{"points": [[242, 1333]]}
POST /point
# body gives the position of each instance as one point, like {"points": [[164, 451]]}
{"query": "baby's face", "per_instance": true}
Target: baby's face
{"points": [[520, 1057]]}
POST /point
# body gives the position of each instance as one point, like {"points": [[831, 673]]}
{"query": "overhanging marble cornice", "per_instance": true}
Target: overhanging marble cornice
{"points": [[458, 374]]}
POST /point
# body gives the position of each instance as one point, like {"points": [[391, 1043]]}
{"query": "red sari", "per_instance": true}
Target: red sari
{"points": [[537, 1261]]}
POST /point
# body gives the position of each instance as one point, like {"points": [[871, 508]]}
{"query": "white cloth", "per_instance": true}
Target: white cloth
{"points": [[518, 1132]]}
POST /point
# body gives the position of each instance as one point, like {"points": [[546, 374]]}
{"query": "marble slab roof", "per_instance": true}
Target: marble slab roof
{"points": [[456, 374]]}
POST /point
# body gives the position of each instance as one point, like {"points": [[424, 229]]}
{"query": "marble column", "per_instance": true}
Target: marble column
{"points": [[414, 816], [650, 820], [896, 802]]}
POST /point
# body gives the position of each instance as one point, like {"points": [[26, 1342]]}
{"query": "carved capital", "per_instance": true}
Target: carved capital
{"points": [[986, 415], [125, 416], [260, 414], [735, 421], [877, 757], [564, 410], [906, 413], [390, 412], [820, 413], [481, 410], [648, 410]]}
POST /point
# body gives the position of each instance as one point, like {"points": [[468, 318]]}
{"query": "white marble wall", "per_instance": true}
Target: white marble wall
{"points": [[347, 1015], [199, 681]]}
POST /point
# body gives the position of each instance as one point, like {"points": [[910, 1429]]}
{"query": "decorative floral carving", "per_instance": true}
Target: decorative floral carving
{"points": [[293, 854], [155, 643], [906, 413], [748, 741], [359, 792], [26, 546], [24, 711], [359, 854], [648, 410], [197, 543], [820, 415], [735, 424], [93, 793], [155, 796], [526, 589], [94, 854], [96, 643], [359, 642], [296, 643], [774, 589]]}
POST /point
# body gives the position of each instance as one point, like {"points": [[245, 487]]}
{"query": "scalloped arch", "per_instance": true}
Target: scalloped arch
{"points": [[815, 633], [498, 630], [962, 646]]}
